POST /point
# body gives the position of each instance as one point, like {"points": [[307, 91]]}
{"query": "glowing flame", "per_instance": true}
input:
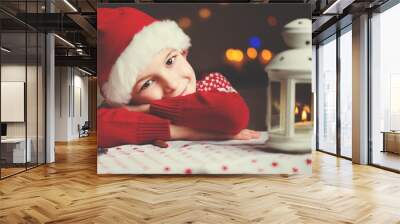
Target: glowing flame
{"points": [[307, 108], [296, 110], [304, 115]]}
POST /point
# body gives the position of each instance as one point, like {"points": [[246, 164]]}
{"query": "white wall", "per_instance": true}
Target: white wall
{"points": [[71, 94], [81, 96], [61, 103], [12, 73]]}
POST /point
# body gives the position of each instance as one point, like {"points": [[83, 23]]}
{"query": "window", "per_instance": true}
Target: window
{"points": [[346, 93], [23, 76], [276, 105], [327, 96], [385, 89]]}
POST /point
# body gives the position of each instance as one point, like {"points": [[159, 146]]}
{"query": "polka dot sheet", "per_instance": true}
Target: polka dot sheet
{"points": [[190, 157]]}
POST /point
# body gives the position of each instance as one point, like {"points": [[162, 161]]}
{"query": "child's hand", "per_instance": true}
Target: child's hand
{"points": [[160, 143], [185, 133], [145, 108], [246, 134]]}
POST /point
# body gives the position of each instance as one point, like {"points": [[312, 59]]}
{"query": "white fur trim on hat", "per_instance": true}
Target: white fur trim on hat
{"points": [[138, 54]]}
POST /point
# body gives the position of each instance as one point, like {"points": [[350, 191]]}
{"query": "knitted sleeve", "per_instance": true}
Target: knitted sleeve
{"points": [[215, 82], [219, 112], [119, 126]]}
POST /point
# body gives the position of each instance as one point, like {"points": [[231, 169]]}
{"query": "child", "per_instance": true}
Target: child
{"points": [[151, 89]]}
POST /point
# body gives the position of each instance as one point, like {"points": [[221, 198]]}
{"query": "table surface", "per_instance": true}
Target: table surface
{"points": [[13, 140], [390, 132]]}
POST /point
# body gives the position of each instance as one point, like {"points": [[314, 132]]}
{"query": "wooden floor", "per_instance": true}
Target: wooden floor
{"points": [[70, 191], [10, 171], [5, 172]]}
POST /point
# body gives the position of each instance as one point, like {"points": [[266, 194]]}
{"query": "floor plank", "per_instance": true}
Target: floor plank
{"points": [[70, 191]]}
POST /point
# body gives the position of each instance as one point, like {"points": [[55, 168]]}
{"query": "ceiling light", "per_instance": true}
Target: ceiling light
{"points": [[70, 5], [65, 41], [329, 9], [5, 50], [84, 71], [337, 7]]}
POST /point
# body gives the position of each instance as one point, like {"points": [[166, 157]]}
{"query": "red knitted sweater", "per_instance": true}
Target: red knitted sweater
{"points": [[215, 107]]}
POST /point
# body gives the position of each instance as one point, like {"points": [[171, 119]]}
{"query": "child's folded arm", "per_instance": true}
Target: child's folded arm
{"points": [[119, 126], [219, 112]]}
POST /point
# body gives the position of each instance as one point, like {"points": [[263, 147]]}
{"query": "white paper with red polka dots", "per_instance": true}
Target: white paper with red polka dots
{"points": [[215, 82], [190, 157]]}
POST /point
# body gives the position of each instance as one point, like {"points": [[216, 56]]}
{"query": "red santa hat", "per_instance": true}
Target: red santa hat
{"points": [[127, 41]]}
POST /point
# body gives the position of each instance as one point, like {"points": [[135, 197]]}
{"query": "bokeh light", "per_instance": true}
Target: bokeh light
{"points": [[272, 21], [185, 22], [307, 109], [238, 56], [234, 55], [251, 53], [229, 54], [255, 42], [266, 56], [204, 13]]}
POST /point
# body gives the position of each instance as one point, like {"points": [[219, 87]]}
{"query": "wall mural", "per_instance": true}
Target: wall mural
{"points": [[204, 89]]}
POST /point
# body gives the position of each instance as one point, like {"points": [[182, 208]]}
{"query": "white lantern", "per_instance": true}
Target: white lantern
{"points": [[289, 90]]}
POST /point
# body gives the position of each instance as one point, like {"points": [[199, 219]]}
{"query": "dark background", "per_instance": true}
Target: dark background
{"points": [[232, 26]]}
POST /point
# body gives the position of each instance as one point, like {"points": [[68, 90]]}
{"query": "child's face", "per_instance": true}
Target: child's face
{"points": [[169, 74]]}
